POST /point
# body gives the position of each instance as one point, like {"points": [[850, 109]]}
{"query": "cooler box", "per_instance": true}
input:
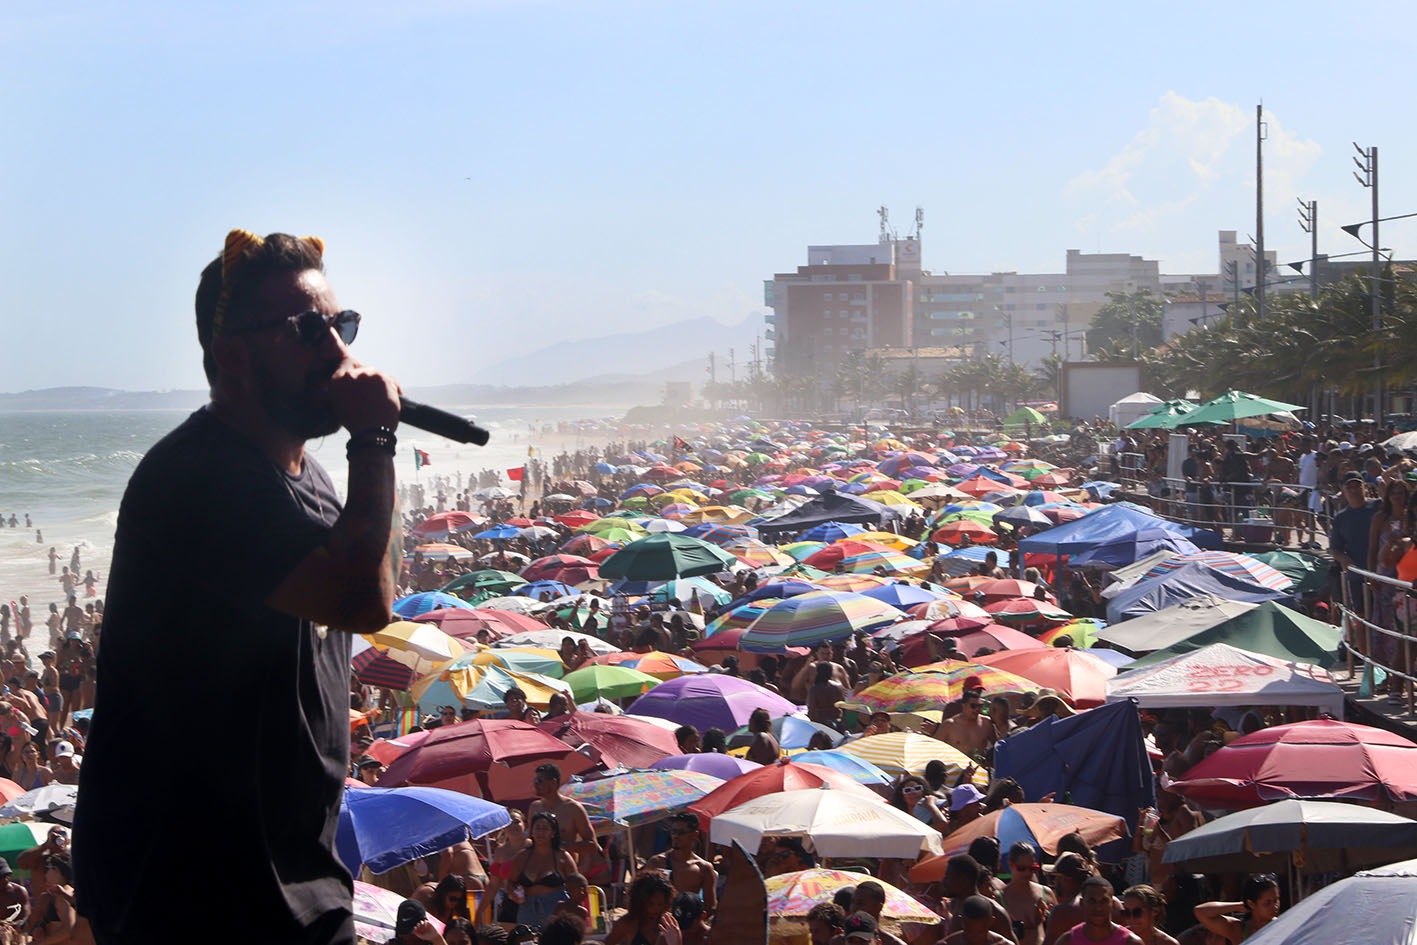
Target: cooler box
{"points": [[1259, 531]]}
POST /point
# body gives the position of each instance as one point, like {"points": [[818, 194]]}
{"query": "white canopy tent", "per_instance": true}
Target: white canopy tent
{"points": [[1221, 675], [1161, 628], [1132, 407]]}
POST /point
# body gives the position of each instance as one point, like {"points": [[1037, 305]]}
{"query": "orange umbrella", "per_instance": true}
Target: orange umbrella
{"points": [[1076, 675], [1041, 824]]}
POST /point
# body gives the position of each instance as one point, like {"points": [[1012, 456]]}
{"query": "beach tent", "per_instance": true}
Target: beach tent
{"points": [[1111, 523], [1189, 580], [829, 507], [1161, 628], [1224, 675], [1132, 407], [1269, 628], [1163, 416], [1150, 545], [1096, 759]]}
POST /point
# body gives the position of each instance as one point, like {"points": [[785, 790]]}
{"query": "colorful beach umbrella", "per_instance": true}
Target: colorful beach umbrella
{"points": [[641, 797], [709, 700], [774, 779], [1042, 825], [386, 827], [659, 665], [816, 617], [1228, 562], [902, 753], [795, 894], [1076, 675]]}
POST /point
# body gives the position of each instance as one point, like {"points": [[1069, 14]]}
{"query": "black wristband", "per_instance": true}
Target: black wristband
{"points": [[376, 438]]}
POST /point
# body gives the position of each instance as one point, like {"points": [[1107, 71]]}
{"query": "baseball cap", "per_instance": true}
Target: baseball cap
{"points": [[64, 750], [1352, 477], [411, 912], [964, 795], [972, 682], [368, 761], [1070, 864], [860, 925]]}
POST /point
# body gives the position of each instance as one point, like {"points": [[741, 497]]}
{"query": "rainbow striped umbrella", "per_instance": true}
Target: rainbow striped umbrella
{"points": [[740, 617], [1083, 632], [755, 554], [722, 533], [934, 685], [798, 550], [892, 561], [902, 753], [794, 894], [439, 551], [641, 797], [1243, 566], [856, 583], [815, 617]]}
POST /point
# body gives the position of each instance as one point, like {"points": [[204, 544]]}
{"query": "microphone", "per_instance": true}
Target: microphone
{"points": [[440, 422]]}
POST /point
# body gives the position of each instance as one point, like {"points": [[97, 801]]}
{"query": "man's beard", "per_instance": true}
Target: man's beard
{"points": [[303, 411]]}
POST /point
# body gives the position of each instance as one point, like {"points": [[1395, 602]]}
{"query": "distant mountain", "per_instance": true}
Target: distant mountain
{"points": [[630, 353], [615, 389]]}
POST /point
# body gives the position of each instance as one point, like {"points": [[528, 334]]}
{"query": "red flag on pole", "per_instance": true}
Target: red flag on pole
{"points": [[420, 459], [515, 474]]}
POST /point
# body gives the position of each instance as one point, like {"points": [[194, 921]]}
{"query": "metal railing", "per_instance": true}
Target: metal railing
{"points": [[1359, 630]]}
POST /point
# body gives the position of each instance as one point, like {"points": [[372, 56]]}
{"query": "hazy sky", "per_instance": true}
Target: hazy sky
{"points": [[492, 176]]}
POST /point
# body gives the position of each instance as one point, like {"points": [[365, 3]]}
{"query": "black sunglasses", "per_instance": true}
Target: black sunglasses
{"points": [[1134, 913], [311, 326]]}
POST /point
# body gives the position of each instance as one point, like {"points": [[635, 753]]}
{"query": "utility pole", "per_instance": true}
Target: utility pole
{"points": [[1232, 270], [1309, 223], [712, 368], [1136, 349], [1259, 212], [1201, 290], [732, 368], [1369, 179]]}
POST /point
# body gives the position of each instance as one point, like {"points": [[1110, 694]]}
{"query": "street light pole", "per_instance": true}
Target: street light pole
{"points": [[1309, 223], [1369, 179]]}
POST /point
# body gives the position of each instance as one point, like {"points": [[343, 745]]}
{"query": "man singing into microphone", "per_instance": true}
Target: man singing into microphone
{"points": [[211, 782]]}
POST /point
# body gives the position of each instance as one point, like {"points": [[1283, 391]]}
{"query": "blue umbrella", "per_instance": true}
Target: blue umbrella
{"points": [[387, 827], [536, 588], [421, 603], [498, 532], [858, 768], [831, 531], [605, 469], [790, 732], [903, 596]]}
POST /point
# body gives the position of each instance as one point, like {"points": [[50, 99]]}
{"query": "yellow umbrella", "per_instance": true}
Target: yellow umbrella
{"points": [[717, 513], [606, 524], [422, 647], [533, 659], [482, 687], [901, 753], [888, 497]]}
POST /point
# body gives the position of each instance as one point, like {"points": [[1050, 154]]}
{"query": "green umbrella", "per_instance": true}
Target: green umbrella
{"points": [[612, 682], [753, 459], [487, 580], [1308, 572], [666, 556], [1234, 405], [1025, 415], [1270, 629], [1163, 416]]}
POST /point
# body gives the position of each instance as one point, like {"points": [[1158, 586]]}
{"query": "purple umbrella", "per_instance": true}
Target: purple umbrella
{"points": [[712, 763], [709, 700], [962, 470]]}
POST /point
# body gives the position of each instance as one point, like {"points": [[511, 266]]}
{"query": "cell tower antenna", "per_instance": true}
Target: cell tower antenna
{"points": [[887, 234], [919, 223]]}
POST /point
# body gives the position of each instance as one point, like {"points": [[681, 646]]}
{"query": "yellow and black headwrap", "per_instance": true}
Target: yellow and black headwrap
{"points": [[241, 245]]}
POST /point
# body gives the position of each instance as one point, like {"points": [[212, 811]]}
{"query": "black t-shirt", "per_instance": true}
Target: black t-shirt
{"points": [[212, 777]]}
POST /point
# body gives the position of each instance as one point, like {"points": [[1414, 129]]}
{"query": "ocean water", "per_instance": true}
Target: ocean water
{"points": [[68, 470]]}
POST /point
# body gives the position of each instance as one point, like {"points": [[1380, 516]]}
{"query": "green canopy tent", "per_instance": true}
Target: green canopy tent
{"points": [[1231, 406], [1024, 415], [1270, 629], [1161, 417]]}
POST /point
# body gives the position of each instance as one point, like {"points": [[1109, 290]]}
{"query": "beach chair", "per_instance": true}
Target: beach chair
{"points": [[599, 925]]}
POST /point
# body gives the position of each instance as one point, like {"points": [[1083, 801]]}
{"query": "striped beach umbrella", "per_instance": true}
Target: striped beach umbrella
{"points": [[1083, 632], [796, 893], [740, 617], [934, 685], [439, 551], [641, 797], [815, 617], [755, 554], [892, 561], [1229, 562], [800, 550], [902, 753], [856, 583]]}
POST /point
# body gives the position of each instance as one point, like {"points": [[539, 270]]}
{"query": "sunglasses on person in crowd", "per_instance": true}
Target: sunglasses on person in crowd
{"points": [[1136, 913], [310, 327]]}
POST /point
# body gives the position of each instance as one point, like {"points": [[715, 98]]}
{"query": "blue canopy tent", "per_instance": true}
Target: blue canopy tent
{"points": [[1095, 760], [1129, 550], [1108, 525], [1188, 581]]}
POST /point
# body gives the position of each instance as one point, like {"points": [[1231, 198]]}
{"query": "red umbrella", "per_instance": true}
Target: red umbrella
{"points": [[954, 626], [1026, 609], [830, 556], [995, 637], [544, 569], [980, 485], [954, 533], [620, 741], [1063, 514], [773, 779], [664, 473], [1053, 479], [1322, 758], [520, 521], [444, 523], [465, 624], [492, 758], [1076, 675], [577, 518], [1002, 588], [1048, 823], [584, 544]]}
